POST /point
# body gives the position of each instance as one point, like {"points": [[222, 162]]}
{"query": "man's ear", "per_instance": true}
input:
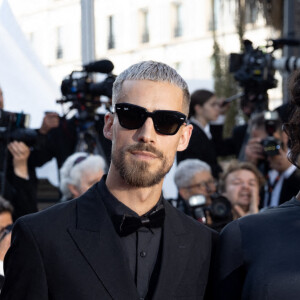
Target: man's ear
{"points": [[108, 128], [185, 137]]}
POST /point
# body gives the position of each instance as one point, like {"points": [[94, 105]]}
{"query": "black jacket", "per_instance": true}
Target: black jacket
{"points": [[72, 251], [258, 257]]}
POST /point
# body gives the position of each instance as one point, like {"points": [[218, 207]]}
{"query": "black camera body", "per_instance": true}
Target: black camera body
{"points": [[13, 128], [219, 210], [270, 144]]}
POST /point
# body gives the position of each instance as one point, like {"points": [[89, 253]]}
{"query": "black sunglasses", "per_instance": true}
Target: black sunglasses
{"points": [[133, 116]]}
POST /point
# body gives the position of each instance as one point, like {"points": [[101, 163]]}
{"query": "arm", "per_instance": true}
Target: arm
{"points": [[24, 199], [254, 151], [25, 276], [20, 153], [50, 121]]}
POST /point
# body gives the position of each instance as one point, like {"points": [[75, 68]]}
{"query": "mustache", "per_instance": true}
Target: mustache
{"points": [[145, 147]]}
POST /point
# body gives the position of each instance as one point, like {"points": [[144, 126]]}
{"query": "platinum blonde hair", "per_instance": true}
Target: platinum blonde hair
{"points": [[187, 169], [154, 71], [72, 172]]}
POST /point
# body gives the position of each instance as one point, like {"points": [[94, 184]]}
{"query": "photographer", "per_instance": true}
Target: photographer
{"points": [[18, 181], [83, 131], [20, 187], [197, 194], [268, 148], [193, 177]]}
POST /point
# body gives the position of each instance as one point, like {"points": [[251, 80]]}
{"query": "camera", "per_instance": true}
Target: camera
{"points": [[271, 145], [219, 210], [80, 89], [13, 128], [255, 69]]}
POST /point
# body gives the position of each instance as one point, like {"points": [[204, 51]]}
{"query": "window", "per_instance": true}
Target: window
{"points": [[59, 47], [145, 26], [178, 20], [252, 12], [111, 33]]}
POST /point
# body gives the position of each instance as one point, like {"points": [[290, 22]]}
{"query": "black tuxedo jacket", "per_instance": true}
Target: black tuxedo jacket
{"points": [[258, 256], [290, 187], [72, 251]]}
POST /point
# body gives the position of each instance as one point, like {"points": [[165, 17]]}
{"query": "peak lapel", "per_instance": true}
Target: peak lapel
{"points": [[98, 242], [176, 248]]}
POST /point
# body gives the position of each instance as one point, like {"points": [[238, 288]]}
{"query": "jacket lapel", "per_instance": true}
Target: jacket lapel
{"points": [[176, 248], [98, 242]]}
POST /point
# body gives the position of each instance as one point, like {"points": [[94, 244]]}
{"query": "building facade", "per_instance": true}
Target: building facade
{"points": [[177, 32]]}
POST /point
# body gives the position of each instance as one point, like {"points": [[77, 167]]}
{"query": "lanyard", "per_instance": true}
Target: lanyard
{"points": [[271, 188]]}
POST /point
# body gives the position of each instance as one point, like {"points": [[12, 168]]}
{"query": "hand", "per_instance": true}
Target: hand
{"points": [[50, 121], [253, 205], [254, 150], [20, 153]]}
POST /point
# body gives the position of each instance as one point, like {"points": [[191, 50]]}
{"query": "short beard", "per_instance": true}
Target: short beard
{"points": [[137, 174]]}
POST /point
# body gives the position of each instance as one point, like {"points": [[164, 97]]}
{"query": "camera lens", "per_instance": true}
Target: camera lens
{"points": [[220, 208]]}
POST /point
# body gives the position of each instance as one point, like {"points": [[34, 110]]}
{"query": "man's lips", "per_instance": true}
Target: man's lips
{"points": [[144, 150], [144, 154], [244, 194]]}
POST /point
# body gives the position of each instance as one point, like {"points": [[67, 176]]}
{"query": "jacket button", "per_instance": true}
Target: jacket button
{"points": [[143, 254]]}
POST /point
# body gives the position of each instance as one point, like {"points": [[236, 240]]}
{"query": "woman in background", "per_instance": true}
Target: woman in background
{"points": [[204, 108]]}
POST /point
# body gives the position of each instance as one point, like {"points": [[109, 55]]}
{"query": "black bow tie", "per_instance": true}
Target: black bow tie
{"points": [[127, 224]]}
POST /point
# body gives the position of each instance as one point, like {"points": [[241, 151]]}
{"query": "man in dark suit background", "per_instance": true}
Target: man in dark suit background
{"points": [[121, 239]]}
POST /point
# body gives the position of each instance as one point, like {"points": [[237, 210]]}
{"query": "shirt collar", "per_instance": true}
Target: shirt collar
{"points": [[206, 129], [289, 171], [113, 205]]}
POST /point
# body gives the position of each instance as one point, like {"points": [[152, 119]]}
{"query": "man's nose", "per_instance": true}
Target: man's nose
{"points": [[147, 132], [246, 185]]}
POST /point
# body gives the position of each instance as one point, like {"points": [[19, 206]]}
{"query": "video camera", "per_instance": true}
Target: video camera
{"points": [[255, 69], [80, 89], [219, 210]]}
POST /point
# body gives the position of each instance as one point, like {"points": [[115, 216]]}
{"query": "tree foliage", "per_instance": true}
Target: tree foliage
{"points": [[246, 11]]}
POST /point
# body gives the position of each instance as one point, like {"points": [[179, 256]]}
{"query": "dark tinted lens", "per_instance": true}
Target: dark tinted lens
{"points": [[167, 122], [130, 117], [133, 117]]}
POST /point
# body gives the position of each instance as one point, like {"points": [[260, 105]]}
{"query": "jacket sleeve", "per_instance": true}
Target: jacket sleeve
{"points": [[230, 268], [25, 276]]}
